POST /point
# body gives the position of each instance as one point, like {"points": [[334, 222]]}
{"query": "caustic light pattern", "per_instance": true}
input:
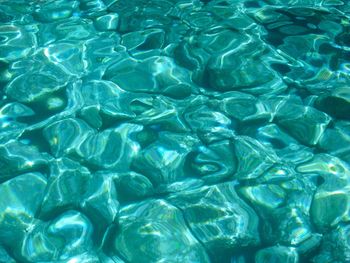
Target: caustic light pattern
{"points": [[175, 131]]}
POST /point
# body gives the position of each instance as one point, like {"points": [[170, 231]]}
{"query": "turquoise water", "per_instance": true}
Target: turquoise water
{"points": [[175, 131]]}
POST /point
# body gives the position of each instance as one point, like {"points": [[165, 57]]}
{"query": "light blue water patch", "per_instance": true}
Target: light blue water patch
{"points": [[174, 131]]}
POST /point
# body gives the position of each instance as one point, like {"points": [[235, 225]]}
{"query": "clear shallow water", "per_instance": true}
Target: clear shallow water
{"points": [[174, 131]]}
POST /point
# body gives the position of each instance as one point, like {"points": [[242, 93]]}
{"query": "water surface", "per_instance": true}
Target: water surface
{"points": [[174, 131]]}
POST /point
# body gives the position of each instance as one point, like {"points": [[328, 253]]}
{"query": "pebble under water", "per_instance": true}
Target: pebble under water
{"points": [[175, 131]]}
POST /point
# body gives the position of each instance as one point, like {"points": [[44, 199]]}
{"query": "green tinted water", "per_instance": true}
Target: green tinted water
{"points": [[174, 131]]}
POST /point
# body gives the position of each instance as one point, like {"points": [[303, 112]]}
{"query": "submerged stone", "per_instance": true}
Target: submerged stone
{"points": [[289, 226], [334, 171], [100, 202], [110, 148], [17, 157], [209, 125], [328, 208], [244, 107], [231, 71], [20, 202], [65, 135], [330, 202], [144, 40], [266, 197], [92, 7], [59, 10], [92, 116], [336, 141], [219, 39], [66, 236], [188, 55], [32, 86], [68, 55], [213, 163], [76, 241], [73, 186], [277, 254], [105, 99], [107, 22], [278, 174], [273, 136], [174, 131], [253, 158], [15, 110], [5, 257], [16, 42], [219, 218], [67, 186], [306, 124], [133, 186], [161, 164], [152, 75], [336, 246], [159, 113], [337, 103], [156, 231]]}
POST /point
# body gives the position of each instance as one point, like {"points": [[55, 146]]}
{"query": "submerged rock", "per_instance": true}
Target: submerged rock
{"points": [[107, 22], [330, 202], [335, 247], [277, 254], [328, 208], [112, 148], [153, 75], [306, 124], [174, 131], [5, 257], [213, 163], [66, 236], [337, 103], [65, 135], [16, 41], [59, 10], [144, 40], [229, 71], [164, 161], [336, 141], [156, 231], [253, 158], [32, 86], [72, 186], [219, 218], [266, 197], [133, 186], [243, 107], [209, 125], [19, 205], [17, 157]]}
